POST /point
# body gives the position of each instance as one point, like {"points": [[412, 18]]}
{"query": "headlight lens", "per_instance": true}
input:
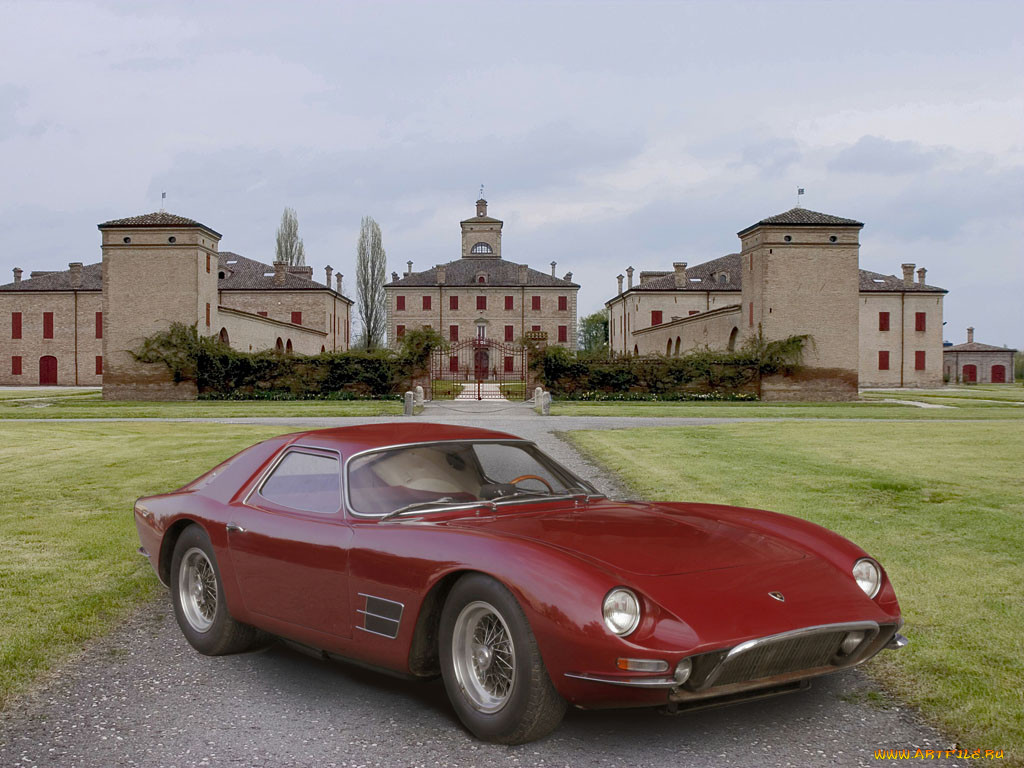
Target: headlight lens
{"points": [[868, 576], [621, 611]]}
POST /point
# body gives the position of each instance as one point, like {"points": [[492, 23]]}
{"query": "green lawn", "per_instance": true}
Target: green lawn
{"points": [[24, 393], [954, 394], [69, 569], [92, 407], [444, 390], [940, 505]]}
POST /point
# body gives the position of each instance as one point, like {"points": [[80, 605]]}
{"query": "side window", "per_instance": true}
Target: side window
{"points": [[306, 481], [505, 463]]}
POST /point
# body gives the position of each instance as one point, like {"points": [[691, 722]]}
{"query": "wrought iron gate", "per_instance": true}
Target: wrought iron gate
{"points": [[478, 369]]}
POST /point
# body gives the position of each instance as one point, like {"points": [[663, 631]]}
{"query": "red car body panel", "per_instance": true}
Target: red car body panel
{"points": [[702, 572]]}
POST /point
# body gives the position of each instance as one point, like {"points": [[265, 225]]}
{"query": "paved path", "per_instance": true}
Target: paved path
{"points": [[142, 697]]}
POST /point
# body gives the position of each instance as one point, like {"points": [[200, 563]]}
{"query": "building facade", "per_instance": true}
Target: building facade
{"points": [[976, 363], [77, 327], [796, 273], [483, 296]]}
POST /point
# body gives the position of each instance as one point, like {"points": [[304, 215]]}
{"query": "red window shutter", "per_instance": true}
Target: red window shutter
{"points": [[563, 333], [453, 363], [919, 321], [509, 304], [509, 333], [99, 365], [883, 321], [400, 331], [296, 318], [563, 303], [883, 360], [99, 325], [15, 325], [919, 360], [693, 312], [481, 302], [207, 315], [534, 327], [399, 303], [453, 302], [453, 333], [508, 364], [655, 317], [48, 325], [426, 302], [207, 263], [535, 303], [261, 313], [16, 365]]}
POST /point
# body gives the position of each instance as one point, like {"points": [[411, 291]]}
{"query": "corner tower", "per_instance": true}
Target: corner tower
{"points": [[158, 269], [481, 235], [801, 275]]}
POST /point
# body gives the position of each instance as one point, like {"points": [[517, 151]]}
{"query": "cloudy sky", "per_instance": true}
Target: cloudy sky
{"points": [[607, 134]]}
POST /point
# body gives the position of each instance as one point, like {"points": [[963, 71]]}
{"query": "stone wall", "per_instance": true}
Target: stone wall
{"points": [[251, 333], [902, 341], [321, 310]]}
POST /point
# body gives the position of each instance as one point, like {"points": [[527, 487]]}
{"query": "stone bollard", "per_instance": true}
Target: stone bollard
{"points": [[536, 395], [545, 408], [419, 396], [409, 403]]}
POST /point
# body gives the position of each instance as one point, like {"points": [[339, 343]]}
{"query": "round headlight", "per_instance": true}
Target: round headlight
{"points": [[621, 611], [868, 576]]}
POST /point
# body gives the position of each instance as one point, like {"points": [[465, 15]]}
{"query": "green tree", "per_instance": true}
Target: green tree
{"points": [[371, 264], [289, 245], [594, 332]]}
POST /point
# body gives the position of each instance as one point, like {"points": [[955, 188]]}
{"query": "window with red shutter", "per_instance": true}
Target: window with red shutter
{"points": [[655, 317], [453, 333], [297, 318], [207, 263], [883, 360], [426, 302], [399, 303], [453, 363], [883, 321], [400, 331], [48, 325], [509, 304], [508, 364], [919, 321], [15, 325], [481, 302], [563, 333], [453, 302], [509, 333], [16, 365], [534, 327], [99, 365], [99, 325], [535, 303], [919, 360], [563, 303]]}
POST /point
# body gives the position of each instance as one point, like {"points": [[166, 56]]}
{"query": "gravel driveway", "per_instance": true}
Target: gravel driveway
{"points": [[142, 697]]}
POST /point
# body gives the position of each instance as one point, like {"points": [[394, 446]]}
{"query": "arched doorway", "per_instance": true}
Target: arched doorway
{"points": [[279, 345], [998, 374], [668, 348], [288, 347], [47, 370], [224, 336], [678, 342], [970, 373], [322, 349], [636, 349], [732, 339]]}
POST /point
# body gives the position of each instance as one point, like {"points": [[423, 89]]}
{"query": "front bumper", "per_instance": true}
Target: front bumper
{"points": [[774, 661]]}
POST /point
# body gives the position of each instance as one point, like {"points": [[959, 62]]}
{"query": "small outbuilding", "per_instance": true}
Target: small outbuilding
{"points": [[976, 363]]}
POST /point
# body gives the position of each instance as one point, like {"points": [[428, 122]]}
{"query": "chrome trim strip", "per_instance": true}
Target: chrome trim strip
{"points": [[632, 682]]}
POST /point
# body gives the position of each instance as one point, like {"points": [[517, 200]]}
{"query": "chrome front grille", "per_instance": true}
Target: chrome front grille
{"points": [[779, 657]]}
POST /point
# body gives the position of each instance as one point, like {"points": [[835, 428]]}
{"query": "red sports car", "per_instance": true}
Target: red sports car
{"points": [[428, 549]]}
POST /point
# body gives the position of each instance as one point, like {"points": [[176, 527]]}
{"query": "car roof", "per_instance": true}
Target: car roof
{"points": [[366, 436]]}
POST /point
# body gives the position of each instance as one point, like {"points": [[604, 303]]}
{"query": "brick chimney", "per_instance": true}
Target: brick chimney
{"points": [[680, 269], [523, 274], [328, 270], [75, 267], [481, 207], [568, 276], [337, 279], [409, 270], [970, 335], [553, 265], [620, 278], [17, 276], [441, 274], [629, 278], [908, 274], [394, 277], [280, 272], [920, 275]]}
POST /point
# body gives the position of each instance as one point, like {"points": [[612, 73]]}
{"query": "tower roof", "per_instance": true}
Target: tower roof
{"points": [[803, 217], [156, 219]]}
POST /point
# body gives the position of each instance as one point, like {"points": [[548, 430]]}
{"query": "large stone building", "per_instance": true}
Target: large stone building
{"points": [[977, 363], [76, 327], [796, 273], [483, 296]]}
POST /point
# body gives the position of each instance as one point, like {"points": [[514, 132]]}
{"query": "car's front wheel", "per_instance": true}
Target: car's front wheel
{"points": [[198, 597], [491, 665]]}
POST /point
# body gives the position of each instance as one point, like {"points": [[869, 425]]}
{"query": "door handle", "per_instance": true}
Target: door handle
{"points": [[234, 527]]}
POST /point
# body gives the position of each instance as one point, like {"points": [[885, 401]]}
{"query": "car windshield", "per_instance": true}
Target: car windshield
{"points": [[451, 472]]}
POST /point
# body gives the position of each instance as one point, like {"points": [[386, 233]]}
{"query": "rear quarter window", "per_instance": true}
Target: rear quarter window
{"points": [[310, 482]]}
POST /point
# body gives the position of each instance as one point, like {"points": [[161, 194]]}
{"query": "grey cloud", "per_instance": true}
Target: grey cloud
{"points": [[872, 154]]}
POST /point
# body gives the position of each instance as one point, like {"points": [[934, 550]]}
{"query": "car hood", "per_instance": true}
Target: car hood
{"points": [[641, 539]]}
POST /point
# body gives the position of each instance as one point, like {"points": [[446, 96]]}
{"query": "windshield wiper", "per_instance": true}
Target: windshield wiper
{"points": [[443, 502]]}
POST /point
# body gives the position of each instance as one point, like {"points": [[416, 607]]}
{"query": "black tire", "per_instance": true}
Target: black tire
{"points": [[529, 708], [205, 620]]}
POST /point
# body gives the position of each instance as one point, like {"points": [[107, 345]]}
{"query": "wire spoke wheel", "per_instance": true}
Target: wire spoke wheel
{"points": [[483, 656], [197, 589]]}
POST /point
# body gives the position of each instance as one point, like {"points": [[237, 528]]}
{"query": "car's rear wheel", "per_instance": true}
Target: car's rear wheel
{"points": [[198, 596], [492, 668]]}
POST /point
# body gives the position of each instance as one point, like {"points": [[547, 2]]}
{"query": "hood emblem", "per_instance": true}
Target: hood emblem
{"points": [[777, 596]]}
